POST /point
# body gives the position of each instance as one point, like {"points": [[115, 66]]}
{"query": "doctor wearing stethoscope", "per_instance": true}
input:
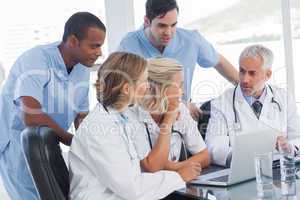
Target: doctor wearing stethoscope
{"points": [[103, 161], [165, 90], [251, 105]]}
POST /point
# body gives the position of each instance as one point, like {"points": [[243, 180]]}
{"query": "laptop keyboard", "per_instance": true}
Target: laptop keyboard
{"points": [[220, 179]]}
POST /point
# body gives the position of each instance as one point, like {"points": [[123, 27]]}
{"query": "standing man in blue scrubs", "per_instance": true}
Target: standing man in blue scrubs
{"points": [[159, 37], [47, 85]]}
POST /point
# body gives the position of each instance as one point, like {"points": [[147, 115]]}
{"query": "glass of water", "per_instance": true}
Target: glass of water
{"points": [[287, 168], [264, 175]]}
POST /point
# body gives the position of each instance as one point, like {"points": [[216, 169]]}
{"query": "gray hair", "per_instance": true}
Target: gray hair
{"points": [[258, 51]]}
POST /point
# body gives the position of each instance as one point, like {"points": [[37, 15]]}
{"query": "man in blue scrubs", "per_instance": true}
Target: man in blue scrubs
{"points": [[47, 85], [159, 37]]}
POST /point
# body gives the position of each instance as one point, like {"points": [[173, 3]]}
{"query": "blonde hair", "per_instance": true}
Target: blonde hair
{"points": [[160, 73], [118, 69]]}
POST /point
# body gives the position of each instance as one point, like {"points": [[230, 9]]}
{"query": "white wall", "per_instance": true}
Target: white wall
{"points": [[119, 21]]}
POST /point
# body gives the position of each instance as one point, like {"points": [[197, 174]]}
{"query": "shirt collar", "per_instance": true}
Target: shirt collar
{"points": [[113, 114], [250, 99], [61, 63], [60, 60], [171, 48], [143, 115]]}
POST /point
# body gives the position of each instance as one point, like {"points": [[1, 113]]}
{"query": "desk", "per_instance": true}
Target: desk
{"points": [[242, 191]]}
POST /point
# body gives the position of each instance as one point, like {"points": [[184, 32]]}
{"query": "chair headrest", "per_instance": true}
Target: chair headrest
{"points": [[44, 159]]}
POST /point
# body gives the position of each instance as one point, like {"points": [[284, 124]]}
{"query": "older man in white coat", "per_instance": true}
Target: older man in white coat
{"points": [[251, 105]]}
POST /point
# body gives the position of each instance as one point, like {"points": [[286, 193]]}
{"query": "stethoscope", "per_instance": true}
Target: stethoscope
{"points": [[237, 124], [234, 108], [173, 131]]}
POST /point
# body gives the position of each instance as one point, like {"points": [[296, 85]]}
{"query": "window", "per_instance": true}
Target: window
{"points": [[231, 26], [295, 20], [139, 12], [38, 22]]}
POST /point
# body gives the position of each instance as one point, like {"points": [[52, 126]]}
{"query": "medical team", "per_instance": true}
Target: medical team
{"points": [[141, 140]]}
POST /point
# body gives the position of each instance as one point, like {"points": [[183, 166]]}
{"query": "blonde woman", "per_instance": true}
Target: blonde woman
{"points": [[166, 81], [103, 159]]}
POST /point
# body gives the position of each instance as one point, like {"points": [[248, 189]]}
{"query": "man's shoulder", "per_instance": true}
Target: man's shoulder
{"points": [[279, 92], [191, 37], [36, 61], [276, 88], [187, 34], [132, 43], [131, 36], [40, 52], [224, 98], [31, 59], [33, 52], [226, 93]]}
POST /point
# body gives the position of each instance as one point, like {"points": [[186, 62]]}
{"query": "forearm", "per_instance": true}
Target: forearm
{"points": [[34, 116], [227, 70], [43, 119], [202, 157], [173, 166], [158, 156], [79, 118]]}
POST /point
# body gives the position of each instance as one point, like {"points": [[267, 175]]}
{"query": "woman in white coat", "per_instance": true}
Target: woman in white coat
{"points": [[166, 82], [103, 160]]}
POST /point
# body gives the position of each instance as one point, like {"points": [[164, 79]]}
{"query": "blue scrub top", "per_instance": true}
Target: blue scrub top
{"points": [[188, 47], [41, 73]]}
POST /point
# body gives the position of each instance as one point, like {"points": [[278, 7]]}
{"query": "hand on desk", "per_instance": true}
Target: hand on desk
{"points": [[190, 171], [282, 145]]}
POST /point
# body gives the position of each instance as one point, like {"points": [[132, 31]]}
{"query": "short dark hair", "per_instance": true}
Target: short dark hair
{"points": [[78, 24], [156, 8]]}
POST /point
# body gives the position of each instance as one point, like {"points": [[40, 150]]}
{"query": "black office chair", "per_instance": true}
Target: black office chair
{"points": [[45, 162], [204, 118]]}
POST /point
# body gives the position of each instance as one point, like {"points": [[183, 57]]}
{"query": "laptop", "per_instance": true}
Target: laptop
{"points": [[242, 162]]}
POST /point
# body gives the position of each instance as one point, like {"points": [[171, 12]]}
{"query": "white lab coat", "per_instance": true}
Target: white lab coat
{"points": [[103, 162], [184, 124], [222, 126]]}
